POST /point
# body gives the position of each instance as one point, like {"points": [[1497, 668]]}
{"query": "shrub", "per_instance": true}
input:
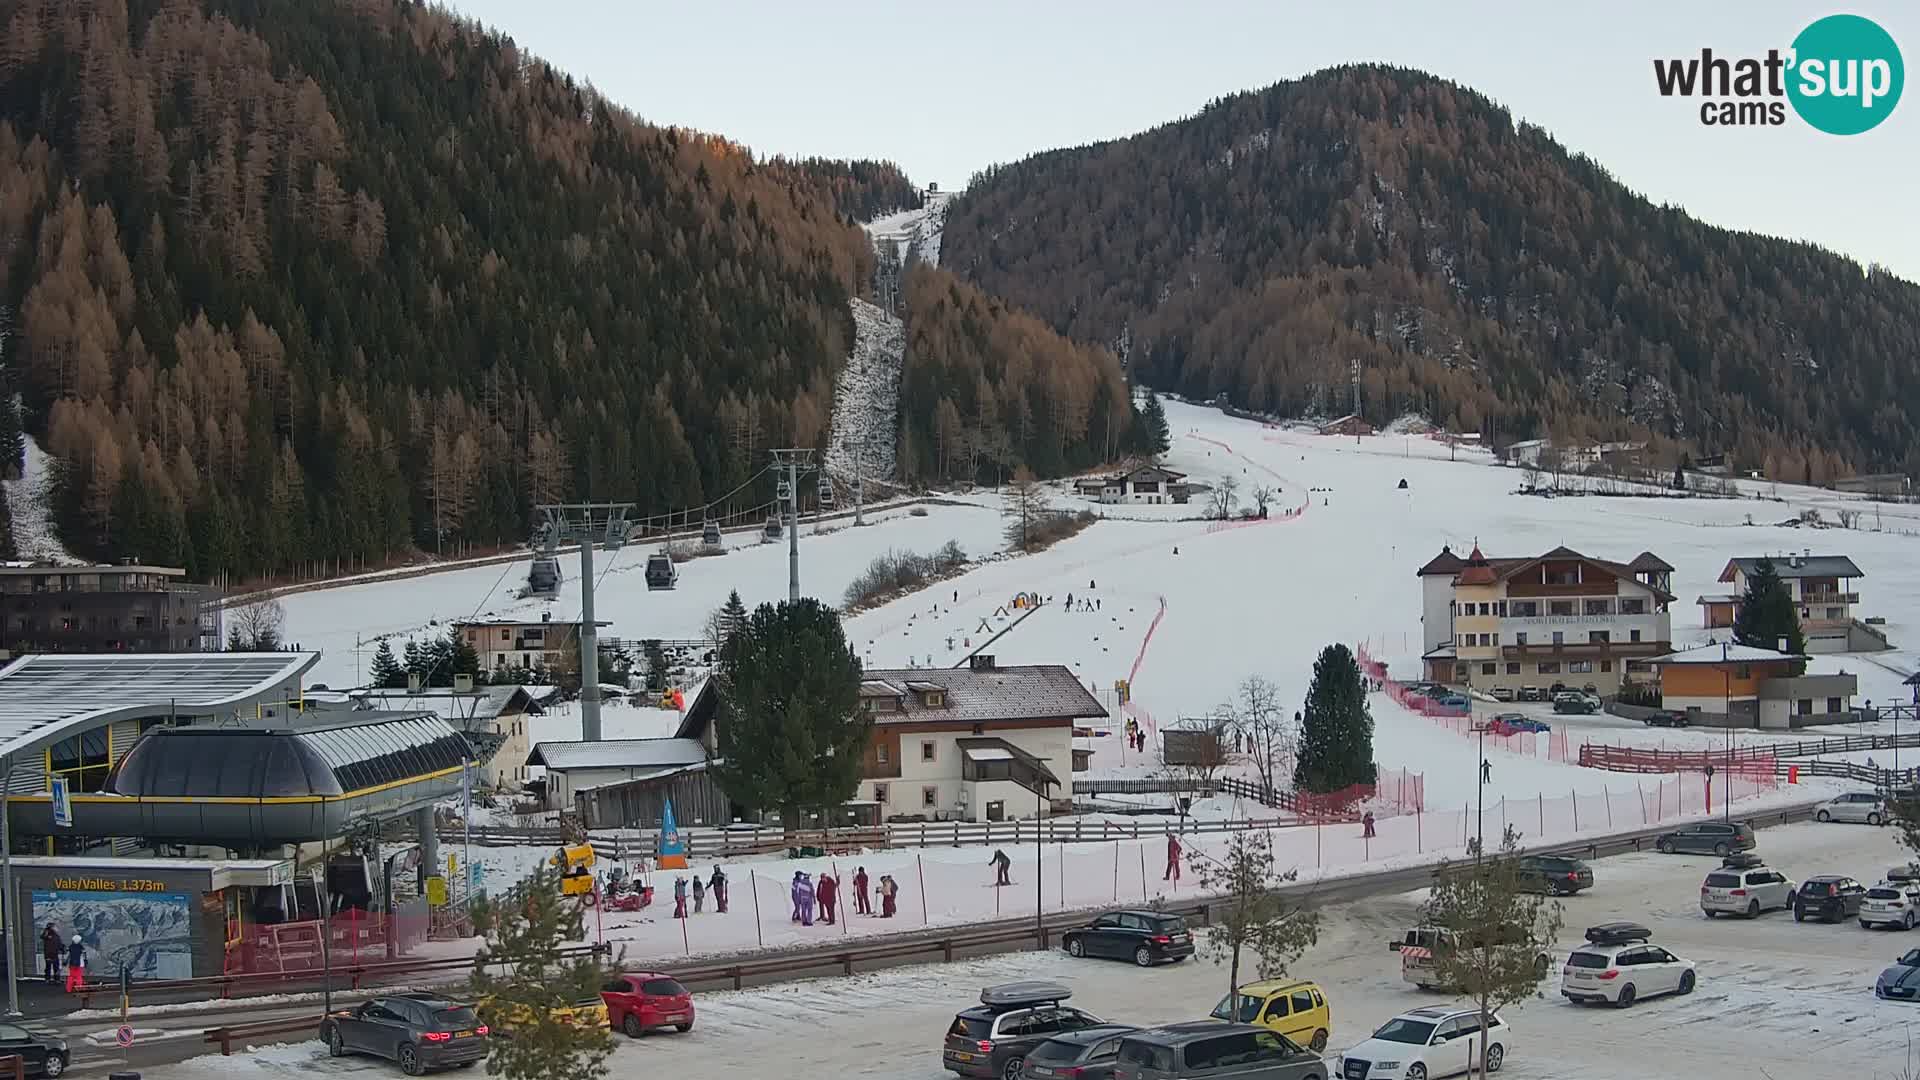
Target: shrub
{"points": [[1057, 527], [898, 572]]}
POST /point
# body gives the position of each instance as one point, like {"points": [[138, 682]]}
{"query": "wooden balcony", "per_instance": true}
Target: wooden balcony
{"points": [[1608, 587], [1580, 650]]}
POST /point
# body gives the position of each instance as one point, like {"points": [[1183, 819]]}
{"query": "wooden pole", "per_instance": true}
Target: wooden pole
{"points": [[922, 869], [758, 933]]}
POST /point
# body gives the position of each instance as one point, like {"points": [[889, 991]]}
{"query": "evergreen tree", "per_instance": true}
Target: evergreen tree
{"points": [[1336, 736], [414, 661], [1680, 474], [732, 616], [462, 658], [525, 934], [791, 734], [1767, 616], [386, 672], [1155, 437]]}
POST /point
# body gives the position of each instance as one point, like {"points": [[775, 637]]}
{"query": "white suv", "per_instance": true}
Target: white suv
{"points": [[1428, 1042], [1895, 901], [1621, 966], [1744, 886], [1858, 806]]}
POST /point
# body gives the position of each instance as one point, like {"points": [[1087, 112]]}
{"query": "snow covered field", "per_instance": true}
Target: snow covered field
{"points": [[1775, 999]]}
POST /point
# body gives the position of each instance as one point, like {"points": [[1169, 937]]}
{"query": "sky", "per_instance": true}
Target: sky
{"points": [[945, 90]]}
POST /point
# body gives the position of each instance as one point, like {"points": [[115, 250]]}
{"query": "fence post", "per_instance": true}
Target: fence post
{"points": [[1576, 810], [1419, 836], [1116, 871], [1609, 797]]}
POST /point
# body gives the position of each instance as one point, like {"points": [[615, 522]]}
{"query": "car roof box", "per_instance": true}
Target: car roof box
{"points": [[1742, 860], [1027, 992], [1618, 933], [1905, 875]]}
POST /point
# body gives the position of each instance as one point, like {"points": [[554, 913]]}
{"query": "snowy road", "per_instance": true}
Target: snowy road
{"points": [[1794, 1000]]}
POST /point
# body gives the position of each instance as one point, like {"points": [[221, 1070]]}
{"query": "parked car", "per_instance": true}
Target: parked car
{"points": [[1859, 807], [1575, 704], [1501, 693], [643, 1001], [1556, 875], [992, 1039], [1086, 1054], [1828, 897], [1453, 701], [503, 1019], [1513, 723], [1216, 1051], [1620, 965], [1532, 693], [1893, 901], [41, 1052], [1431, 1041], [1293, 1007], [1144, 937], [1901, 982], [417, 1031], [1417, 948], [1667, 718], [1744, 886], [1707, 838]]}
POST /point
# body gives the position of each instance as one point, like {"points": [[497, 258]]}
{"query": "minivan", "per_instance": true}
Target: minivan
{"points": [[1708, 838], [1216, 1051]]}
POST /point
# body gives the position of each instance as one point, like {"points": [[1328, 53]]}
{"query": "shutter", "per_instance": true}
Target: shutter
{"points": [[29, 776], [123, 735]]}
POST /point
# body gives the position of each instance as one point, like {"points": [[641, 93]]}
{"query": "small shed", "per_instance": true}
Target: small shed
{"points": [[1198, 740]]}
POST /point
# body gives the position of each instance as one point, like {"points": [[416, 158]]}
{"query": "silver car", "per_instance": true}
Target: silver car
{"points": [[1859, 807]]}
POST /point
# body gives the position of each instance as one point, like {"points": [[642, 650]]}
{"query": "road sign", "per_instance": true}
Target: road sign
{"points": [[123, 1036], [436, 890], [62, 805]]}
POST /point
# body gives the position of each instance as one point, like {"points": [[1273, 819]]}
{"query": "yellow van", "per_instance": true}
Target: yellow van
{"points": [[1295, 1008]]}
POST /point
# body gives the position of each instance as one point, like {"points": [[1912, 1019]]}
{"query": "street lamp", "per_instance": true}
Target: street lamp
{"points": [[1480, 796], [1726, 781]]}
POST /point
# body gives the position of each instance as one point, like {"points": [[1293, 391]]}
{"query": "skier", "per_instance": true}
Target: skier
{"points": [[1366, 824], [889, 892], [956, 596], [679, 898], [1176, 549], [827, 892], [719, 886], [1001, 865], [76, 965], [699, 894], [50, 948], [861, 903], [1090, 585], [1486, 771], [1096, 603], [1173, 859], [803, 897], [794, 891]]}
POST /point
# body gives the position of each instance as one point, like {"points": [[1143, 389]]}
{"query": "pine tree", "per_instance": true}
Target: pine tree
{"points": [[1155, 436], [415, 660], [526, 932], [386, 672], [1680, 474], [732, 616], [462, 658], [791, 734], [1767, 616], [1336, 736]]}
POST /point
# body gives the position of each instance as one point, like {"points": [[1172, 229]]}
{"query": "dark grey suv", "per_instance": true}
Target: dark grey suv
{"points": [[1216, 1051], [1708, 838], [1087, 1054], [418, 1031], [993, 1038]]}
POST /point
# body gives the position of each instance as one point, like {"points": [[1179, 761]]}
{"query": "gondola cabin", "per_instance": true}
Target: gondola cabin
{"points": [[772, 531], [661, 573], [710, 536], [826, 492], [544, 577]]}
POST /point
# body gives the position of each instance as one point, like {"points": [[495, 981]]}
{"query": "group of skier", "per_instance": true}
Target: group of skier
{"points": [[823, 894], [717, 885]]}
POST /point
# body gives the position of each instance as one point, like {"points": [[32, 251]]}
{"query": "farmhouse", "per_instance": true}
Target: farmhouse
{"points": [[1823, 592]]}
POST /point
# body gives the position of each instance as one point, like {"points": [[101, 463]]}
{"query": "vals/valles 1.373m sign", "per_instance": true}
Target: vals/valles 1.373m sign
{"points": [[1843, 75]]}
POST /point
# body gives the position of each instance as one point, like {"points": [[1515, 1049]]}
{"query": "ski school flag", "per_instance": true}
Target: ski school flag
{"points": [[673, 850]]}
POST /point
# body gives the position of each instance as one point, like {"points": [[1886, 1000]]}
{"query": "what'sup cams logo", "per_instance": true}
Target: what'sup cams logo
{"points": [[1842, 74]]}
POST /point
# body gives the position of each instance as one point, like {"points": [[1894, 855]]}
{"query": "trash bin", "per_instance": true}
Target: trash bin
{"points": [[806, 853]]}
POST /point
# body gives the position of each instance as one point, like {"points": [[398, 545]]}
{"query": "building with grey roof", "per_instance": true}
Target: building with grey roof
{"points": [[1824, 594]]}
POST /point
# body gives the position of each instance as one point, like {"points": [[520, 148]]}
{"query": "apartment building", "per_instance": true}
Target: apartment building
{"points": [[512, 643], [1561, 617], [1823, 592], [125, 607]]}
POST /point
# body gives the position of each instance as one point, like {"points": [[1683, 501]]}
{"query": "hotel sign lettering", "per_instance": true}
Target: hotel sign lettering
{"points": [[102, 884], [1566, 620]]}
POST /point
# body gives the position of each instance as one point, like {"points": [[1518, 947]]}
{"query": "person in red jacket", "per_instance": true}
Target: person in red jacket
{"points": [[1173, 858], [861, 903], [826, 890]]}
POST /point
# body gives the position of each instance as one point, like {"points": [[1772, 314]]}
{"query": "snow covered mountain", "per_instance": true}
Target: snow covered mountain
{"points": [[918, 231], [866, 398]]}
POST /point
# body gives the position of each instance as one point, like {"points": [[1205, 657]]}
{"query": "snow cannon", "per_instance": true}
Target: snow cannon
{"points": [[575, 864]]}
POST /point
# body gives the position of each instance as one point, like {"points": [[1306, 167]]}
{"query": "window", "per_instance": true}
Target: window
{"points": [[1743, 671], [929, 796], [1606, 665], [880, 752], [1496, 641], [1836, 613], [1520, 638], [1526, 609], [1513, 669], [1633, 605], [866, 704], [1598, 607], [926, 751], [1302, 1001], [1599, 637], [1560, 607], [936, 698], [880, 793], [1550, 667], [1500, 608], [473, 635], [1559, 637], [1805, 706], [1833, 704], [1488, 669], [1580, 667], [506, 634], [1486, 640], [1633, 635]]}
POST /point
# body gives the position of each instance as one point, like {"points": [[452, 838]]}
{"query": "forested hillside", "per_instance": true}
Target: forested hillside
{"points": [[306, 283], [1479, 272]]}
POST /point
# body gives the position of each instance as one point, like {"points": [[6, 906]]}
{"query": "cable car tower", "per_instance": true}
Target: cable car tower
{"points": [[590, 524]]}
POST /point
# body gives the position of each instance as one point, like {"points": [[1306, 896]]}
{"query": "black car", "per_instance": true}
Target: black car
{"points": [[418, 1031], [1144, 937], [1707, 838], [1087, 1054], [992, 1039], [1829, 898], [44, 1053], [1666, 719], [1556, 875]]}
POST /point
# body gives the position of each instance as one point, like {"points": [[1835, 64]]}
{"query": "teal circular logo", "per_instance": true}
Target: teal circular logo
{"points": [[1846, 75]]}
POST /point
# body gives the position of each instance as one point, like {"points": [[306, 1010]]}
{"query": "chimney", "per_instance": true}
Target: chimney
{"points": [[981, 662], [1793, 558]]}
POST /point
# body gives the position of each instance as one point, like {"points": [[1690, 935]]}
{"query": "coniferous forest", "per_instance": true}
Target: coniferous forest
{"points": [[290, 285], [1479, 272]]}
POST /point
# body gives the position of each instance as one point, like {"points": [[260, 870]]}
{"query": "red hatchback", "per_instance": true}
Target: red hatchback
{"points": [[639, 1002]]}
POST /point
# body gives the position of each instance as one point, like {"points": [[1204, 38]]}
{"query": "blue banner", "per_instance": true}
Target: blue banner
{"points": [[670, 842]]}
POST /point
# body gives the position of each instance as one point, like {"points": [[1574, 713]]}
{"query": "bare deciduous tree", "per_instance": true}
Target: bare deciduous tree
{"points": [[1253, 914], [257, 627], [1025, 507], [1260, 721], [1223, 497], [1262, 495]]}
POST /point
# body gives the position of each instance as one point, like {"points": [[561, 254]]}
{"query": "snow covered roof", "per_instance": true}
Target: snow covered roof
{"points": [[1031, 692], [485, 703], [1711, 653], [642, 777], [986, 748], [1797, 566], [1444, 563], [618, 754], [50, 696]]}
